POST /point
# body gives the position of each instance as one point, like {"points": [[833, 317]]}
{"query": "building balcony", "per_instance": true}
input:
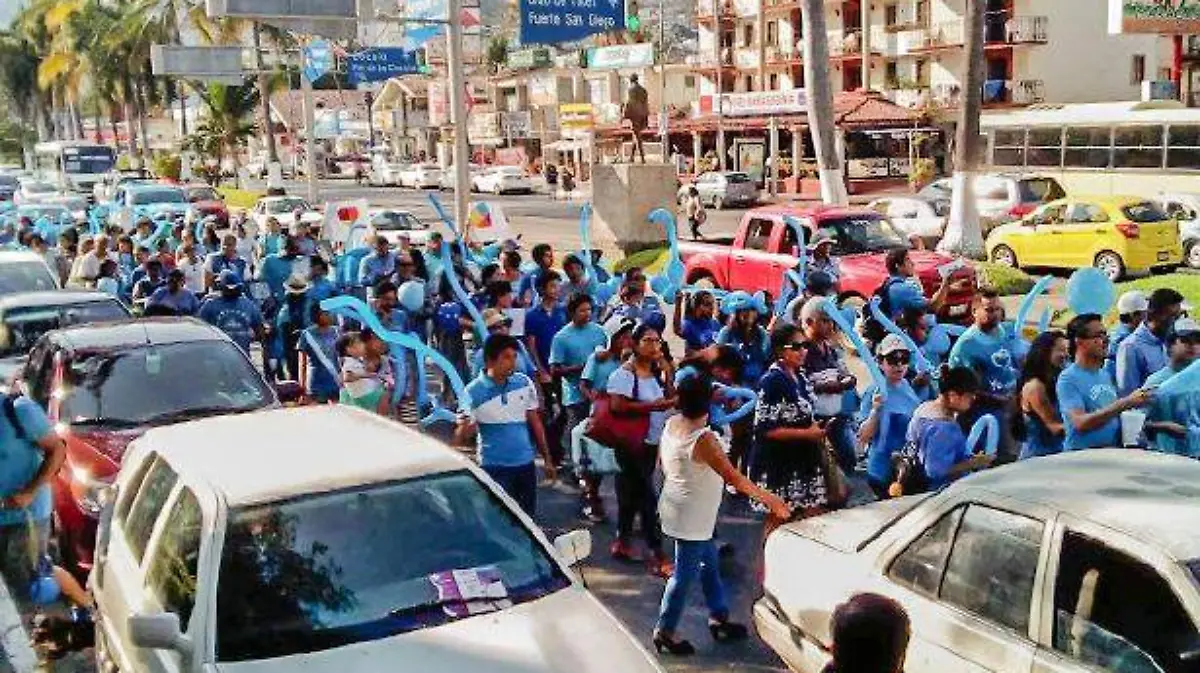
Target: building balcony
{"points": [[1001, 29], [845, 43], [746, 58], [704, 12], [1191, 47], [711, 62], [1002, 92], [776, 56], [909, 40], [780, 6], [908, 94]]}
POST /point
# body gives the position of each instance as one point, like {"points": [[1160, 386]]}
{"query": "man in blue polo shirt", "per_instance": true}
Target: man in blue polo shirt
{"points": [[378, 266], [504, 419], [1145, 351]]}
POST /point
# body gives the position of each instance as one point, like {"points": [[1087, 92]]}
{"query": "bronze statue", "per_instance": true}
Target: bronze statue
{"points": [[637, 111]]}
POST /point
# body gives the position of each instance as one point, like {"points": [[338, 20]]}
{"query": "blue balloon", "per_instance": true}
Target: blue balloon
{"points": [[411, 295], [1090, 291], [1027, 303], [986, 423], [749, 398], [661, 286], [1187, 379]]}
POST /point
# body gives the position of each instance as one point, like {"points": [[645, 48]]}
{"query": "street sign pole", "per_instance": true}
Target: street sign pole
{"points": [[458, 112], [310, 144]]}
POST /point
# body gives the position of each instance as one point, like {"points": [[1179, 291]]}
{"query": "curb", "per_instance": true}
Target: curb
{"points": [[14, 640]]}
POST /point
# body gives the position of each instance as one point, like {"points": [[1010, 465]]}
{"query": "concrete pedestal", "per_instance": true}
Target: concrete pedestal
{"points": [[623, 195]]}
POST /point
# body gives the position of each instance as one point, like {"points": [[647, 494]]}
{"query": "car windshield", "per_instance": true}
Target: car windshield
{"points": [[939, 189], [286, 206], [7, 181], [147, 196], [736, 178], [393, 221], [38, 187], [862, 234], [329, 570], [161, 383], [23, 326], [1039, 190], [49, 212], [1144, 212], [25, 277]]}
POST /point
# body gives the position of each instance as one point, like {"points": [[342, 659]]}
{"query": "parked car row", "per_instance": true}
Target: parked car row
{"points": [[487, 179]]}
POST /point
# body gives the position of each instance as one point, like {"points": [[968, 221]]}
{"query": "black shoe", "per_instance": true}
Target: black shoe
{"points": [[727, 632], [679, 648]]}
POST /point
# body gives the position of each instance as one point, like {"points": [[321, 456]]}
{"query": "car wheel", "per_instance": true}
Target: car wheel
{"points": [[496, 190], [1004, 256], [1111, 264], [1193, 255]]}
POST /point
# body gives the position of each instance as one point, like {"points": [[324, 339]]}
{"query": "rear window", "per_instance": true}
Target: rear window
{"points": [[737, 178], [1143, 212], [1039, 190], [26, 277]]}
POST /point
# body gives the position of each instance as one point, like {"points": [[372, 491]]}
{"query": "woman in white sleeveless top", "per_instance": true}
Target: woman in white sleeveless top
{"points": [[695, 471]]}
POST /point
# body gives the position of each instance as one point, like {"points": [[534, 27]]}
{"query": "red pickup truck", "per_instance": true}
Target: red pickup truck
{"points": [[765, 247]]}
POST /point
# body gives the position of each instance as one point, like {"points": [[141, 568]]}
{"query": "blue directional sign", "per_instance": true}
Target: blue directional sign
{"points": [[553, 21], [419, 31], [318, 59], [377, 65]]}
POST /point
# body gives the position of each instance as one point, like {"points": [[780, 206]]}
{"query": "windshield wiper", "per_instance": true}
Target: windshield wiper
{"points": [[417, 609], [196, 412], [104, 421]]}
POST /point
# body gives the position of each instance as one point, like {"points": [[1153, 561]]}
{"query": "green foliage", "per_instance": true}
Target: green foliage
{"points": [[1187, 284], [168, 166], [14, 138], [497, 51], [1004, 280]]}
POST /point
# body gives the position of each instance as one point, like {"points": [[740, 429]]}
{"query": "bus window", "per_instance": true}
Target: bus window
{"points": [[1087, 147], [1138, 147], [1010, 147], [1045, 147], [1183, 147]]}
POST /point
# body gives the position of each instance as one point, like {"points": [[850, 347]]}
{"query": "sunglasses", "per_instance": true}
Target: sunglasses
{"points": [[796, 346], [896, 358]]}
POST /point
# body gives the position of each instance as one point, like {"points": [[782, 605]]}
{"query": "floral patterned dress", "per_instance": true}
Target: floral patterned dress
{"points": [[790, 469]]}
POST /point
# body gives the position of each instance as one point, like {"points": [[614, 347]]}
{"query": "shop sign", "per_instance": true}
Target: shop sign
{"points": [[621, 56], [516, 124], [439, 103], [575, 119], [860, 169], [788, 101], [484, 126], [527, 59], [899, 167], [1160, 17]]}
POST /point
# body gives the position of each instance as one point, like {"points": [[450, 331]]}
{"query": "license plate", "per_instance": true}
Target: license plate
{"points": [[958, 310], [1162, 256]]}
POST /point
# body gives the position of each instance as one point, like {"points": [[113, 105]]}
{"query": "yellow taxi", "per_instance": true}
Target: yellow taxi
{"points": [[1116, 234]]}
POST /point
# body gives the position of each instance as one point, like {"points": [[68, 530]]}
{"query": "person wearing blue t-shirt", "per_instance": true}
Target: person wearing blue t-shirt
{"points": [[1145, 350], [319, 368], [378, 266], [751, 341], [276, 269], [174, 296], [1087, 397], [1173, 420], [986, 348], [884, 419], [543, 256], [569, 352], [320, 287], [903, 288], [498, 323], [699, 327], [31, 453], [226, 258], [1131, 311], [505, 422], [542, 321], [578, 281], [935, 439], [232, 313]]}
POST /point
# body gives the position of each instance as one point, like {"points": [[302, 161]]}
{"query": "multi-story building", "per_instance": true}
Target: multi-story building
{"points": [[913, 50]]}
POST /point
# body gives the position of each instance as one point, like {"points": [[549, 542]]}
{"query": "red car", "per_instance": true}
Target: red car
{"points": [[207, 201], [104, 385], [765, 247]]}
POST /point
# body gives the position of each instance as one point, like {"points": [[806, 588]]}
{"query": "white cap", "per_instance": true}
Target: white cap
{"points": [[811, 308], [1132, 302], [890, 344], [1186, 326]]}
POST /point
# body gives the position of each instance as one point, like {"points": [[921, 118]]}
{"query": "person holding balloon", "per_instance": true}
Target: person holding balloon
{"points": [[825, 368], [753, 345], [883, 439], [937, 450], [1087, 397], [1173, 421]]}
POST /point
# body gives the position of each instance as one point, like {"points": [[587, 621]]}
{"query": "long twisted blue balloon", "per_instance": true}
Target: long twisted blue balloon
{"points": [[467, 254], [749, 398], [674, 269], [920, 360], [986, 424], [461, 294], [357, 309], [1027, 303]]}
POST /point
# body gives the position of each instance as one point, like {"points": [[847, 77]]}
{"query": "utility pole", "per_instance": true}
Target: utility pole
{"points": [[310, 144], [458, 115], [663, 130]]}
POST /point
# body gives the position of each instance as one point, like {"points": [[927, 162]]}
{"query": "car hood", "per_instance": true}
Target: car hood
{"points": [[157, 208], [846, 529], [109, 443], [564, 632]]}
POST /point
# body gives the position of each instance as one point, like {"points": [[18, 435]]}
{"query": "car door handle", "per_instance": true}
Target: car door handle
{"points": [[1056, 233], [740, 260], [1100, 231]]}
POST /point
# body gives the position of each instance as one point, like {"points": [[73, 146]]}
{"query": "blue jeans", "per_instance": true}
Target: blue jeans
{"points": [[520, 483], [692, 558]]}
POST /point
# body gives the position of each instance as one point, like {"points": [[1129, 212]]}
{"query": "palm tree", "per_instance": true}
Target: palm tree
{"points": [[964, 235], [229, 116], [18, 81], [820, 104]]}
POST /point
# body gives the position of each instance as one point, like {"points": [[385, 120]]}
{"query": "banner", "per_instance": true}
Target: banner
{"points": [[340, 217], [379, 65], [555, 21], [621, 56], [487, 223], [788, 101]]}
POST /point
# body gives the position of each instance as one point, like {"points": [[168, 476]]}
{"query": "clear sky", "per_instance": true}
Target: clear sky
{"points": [[8, 9]]}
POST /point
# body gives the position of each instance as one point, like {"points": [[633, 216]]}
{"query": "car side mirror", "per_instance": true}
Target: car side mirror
{"points": [[158, 631], [289, 392], [574, 547]]}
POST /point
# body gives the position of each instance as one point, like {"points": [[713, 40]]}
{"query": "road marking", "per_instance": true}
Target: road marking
{"points": [[13, 637]]}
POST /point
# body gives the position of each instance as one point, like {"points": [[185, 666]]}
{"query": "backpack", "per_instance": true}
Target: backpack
{"points": [[872, 329], [10, 414]]}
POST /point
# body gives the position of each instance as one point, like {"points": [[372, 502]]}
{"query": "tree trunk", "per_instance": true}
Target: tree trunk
{"points": [[964, 232], [77, 121], [130, 105], [143, 135], [113, 113], [820, 104], [180, 89], [264, 94], [96, 135]]}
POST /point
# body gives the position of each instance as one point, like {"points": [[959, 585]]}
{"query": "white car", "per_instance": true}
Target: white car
{"points": [[283, 208], [718, 189], [1086, 561], [392, 224], [421, 176], [502, 180], [302, 538], [386, 174], [448, 176], [76, 203], [34, 191], [133, 200], [915, 216], [1185, 207]]}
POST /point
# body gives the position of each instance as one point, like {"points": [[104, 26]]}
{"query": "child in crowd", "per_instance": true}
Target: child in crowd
{"points": [[318, 357], [699, 326], [364, 374]]}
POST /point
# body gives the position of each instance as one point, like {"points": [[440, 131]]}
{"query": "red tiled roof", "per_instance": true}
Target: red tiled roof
{"points": [[289, 105], [869, 108]]}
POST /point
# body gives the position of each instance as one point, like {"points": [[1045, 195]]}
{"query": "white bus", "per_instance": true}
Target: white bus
{"points": [[75, 165], [1135, 148]]}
